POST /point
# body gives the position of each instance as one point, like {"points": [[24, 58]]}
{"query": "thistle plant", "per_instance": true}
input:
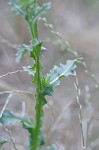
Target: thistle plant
{"points": [[44, 85]]}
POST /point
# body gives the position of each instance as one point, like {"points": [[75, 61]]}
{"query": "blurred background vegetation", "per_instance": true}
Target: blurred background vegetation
{"points": [[78, 23]]}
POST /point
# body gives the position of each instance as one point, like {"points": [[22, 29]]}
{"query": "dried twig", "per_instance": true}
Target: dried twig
{"points": [[11, 73], [5, 105], [58, 119], [89, 112], [80, 111], [6, 129], [11, 138], [5, 41], [16, 92]]}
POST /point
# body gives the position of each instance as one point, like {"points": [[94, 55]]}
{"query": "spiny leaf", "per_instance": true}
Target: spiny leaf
{"points": [[29, 125], [20, 5], [30, 10], [29, 70], [48, 90], [56, 73], [36, 43], [23, 49], [2, 141], [63, 70], [36, 47], [16, 7], [10, 117], [41, 10]]}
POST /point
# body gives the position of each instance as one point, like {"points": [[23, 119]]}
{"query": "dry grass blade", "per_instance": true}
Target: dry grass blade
{"points": [[80, 110], [11, 73], [6, 103], [16, 92], [58, 119], [5, 41], [11, 138]]}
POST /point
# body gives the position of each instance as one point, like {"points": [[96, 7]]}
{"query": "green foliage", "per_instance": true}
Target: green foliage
{"points": [[48, 90], [44, 85], [62, 71], [31, 12], [29, 9], [23, 49], [9, 117], [36, 47], [53, 78]]}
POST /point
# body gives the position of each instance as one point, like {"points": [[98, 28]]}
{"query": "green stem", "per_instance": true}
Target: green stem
{"points": [[38, 106], [38, 122]]}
